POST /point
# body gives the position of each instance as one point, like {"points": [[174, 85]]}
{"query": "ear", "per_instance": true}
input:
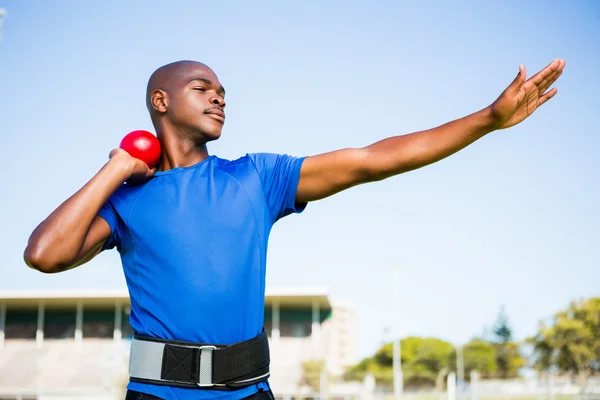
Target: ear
{"points": [[159, 100]]}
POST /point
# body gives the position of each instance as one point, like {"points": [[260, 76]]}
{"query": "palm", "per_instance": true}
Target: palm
{"points": [[522, 97]]}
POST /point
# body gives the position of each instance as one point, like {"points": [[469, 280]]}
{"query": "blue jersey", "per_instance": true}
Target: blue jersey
{"points": [[193, 244]]}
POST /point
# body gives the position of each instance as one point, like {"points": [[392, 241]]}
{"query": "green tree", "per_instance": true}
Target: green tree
{"points": [[509, 359], [428, 361], [570, 343], [382, 373], [425, 362], [502, 329], [480, 355], [311, 374]]}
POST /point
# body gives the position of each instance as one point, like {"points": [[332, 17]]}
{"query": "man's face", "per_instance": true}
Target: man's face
{"points": [[196, 102]]}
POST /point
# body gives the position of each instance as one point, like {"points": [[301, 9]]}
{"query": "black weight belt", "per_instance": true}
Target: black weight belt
{"points": [[193, 365]]}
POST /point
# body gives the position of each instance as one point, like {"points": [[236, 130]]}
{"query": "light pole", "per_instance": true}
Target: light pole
{"points": [[460, 364], [397, 370], [396, 350]]}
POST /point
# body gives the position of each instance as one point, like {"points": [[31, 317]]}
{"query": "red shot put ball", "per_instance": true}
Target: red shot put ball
{"points": [[142, 145]]}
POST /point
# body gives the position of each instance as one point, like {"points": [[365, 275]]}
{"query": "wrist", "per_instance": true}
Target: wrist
{"points": [[488, 120]]}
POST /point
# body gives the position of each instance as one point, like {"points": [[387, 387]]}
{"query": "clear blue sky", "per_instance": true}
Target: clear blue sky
{"points": [[512, 220]]}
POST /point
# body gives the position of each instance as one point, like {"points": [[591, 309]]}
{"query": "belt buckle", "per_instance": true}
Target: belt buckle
{"points": [[206, 363]]}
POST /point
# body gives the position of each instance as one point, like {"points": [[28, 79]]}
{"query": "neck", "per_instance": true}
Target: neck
{"points": [[179, 150]]}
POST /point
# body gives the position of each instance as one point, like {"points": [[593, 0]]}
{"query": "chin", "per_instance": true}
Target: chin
{"points": [[212, 136], [208, 132]]}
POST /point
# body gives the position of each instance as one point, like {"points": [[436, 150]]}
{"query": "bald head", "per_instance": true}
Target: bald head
{"points": [[169, 76], [186, 95]]}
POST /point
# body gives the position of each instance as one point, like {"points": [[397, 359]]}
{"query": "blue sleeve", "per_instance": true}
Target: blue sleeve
{"points": [[108, 213], [279, 176]]}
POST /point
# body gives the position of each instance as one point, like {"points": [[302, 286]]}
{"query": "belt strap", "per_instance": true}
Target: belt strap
{"points": [[193, 365]]}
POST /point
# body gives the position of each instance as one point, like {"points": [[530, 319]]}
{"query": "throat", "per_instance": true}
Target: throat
{"points": [[181, 153]]}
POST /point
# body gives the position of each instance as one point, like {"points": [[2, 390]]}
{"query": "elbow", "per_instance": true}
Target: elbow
{"points": [[376, 172], [378, 166], [382, 163], [373, 175], [379, 170], [370, 167], [37, 259]]}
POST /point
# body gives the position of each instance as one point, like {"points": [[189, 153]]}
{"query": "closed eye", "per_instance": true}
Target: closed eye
{"points": [[200, 89]]}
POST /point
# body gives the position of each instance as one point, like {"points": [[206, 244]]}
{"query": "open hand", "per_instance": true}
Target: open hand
{"points": [[522, 97]]}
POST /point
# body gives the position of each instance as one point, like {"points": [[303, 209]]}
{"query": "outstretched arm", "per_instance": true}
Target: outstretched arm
{"points": [[326, 174]]}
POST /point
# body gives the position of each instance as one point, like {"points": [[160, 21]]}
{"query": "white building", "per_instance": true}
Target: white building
{"points": [[67, 344]]}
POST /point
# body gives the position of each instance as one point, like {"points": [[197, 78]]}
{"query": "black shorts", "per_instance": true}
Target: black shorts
{"points": [[133, 395]]}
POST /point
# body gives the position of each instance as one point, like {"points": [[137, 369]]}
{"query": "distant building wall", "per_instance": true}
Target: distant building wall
{"points": [[300, 328]]}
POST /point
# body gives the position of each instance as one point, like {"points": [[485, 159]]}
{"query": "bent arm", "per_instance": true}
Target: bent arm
{"points": [[73, 233], [326, 174]]}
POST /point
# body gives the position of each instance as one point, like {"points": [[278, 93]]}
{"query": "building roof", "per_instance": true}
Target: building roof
{"points": [[300, 297]]}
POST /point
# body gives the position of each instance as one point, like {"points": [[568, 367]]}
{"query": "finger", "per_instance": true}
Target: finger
{"points": [[547, 96], [538, 78], [520, 78], [546, 83], [549, 81], [545, 72]]}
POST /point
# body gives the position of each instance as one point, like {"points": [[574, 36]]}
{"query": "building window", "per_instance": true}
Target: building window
{"points": [[98, 323], [59, 324], [20, 324], [295, 329]]}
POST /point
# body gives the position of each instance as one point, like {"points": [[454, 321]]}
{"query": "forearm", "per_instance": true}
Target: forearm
{"points": [[404, 153], [60, 237]]}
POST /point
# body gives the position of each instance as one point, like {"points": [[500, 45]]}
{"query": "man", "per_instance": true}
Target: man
{"points": [[193, 233]]}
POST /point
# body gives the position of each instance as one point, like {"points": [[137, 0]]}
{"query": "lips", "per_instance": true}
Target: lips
{"points": [[216, 114]]}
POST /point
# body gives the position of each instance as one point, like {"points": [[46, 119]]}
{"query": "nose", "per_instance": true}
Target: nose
{"points": [[218, 100]]}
